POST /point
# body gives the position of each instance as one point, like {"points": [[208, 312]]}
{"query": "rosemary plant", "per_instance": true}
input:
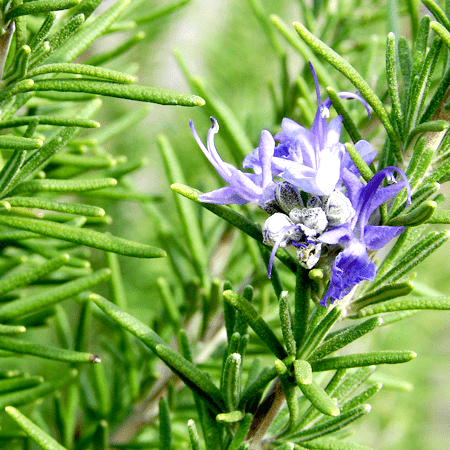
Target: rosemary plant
{"points": [[256, 303]]}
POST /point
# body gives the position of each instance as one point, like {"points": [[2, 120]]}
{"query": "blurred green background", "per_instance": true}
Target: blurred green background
{"points": [[223, 43]]}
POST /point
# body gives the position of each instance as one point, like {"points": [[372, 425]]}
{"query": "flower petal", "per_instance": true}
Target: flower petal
{"points": [[223, 196], [376, 237]]}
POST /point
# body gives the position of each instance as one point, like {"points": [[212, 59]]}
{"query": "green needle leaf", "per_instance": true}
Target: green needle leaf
{"points": [[49, 120], [82, 69], [29, 395], [361, 165], [440, 303], [12, 329], [241, 432], [41, 438], [44, 351], [39, 6], [11, 282], [256, 322], [363, 359], [231, 417], [84, 236], [125, 91], [19, 143], [302, 372], [19, 383], [50, 296], [319, 399], [437, 12], [165, 425], [328, 443], [416, 217], [49, 185]]}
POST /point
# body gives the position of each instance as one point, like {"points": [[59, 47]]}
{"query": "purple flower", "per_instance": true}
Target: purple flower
{"points": [[353, 264], [243, 187], [313, 159]]}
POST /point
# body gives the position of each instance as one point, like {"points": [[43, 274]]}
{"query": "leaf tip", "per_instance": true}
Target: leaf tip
{"points": [[95, 359]]}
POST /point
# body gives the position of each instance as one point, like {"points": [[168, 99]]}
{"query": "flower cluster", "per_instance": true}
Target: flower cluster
{"points": [[307, 182]]}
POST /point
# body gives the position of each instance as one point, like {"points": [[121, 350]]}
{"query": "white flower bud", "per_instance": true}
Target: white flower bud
{"points": [[309, 256], [315, 218], [279, 225], [338, 209], [288, 196], [314, 201]]}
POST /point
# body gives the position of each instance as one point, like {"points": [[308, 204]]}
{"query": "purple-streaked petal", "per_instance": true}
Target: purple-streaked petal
{"points": [[376, 237], [354, 186], [351, 96], [350, 267]]}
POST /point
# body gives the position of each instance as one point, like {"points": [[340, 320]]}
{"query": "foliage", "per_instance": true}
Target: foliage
{"points": [[232, 359]]}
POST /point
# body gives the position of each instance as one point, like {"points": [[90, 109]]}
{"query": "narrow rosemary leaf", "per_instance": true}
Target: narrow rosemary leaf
{"points": [[319, 399], [193, 435], [397, 316], [83, 39], [192, 376], [11, 170], [319, 332], [349, 125], [91, 162], [19, 383], [331, 425], [123, 123], [231, 417], [392, 82], [363, 397], [44, 351], [17, 235], [11, 329], [416, 217], [302, 305], [41, 300], [441, 303], [57, 40], [39, 6], [161, 12], [86, 7], [231, 385], [386, 292], [24, 277], [421, 87], [392, 383], [187, 212], [433, 126], [236, 219], [17, 88], [70, 208], [165, 425], [125, 91], [326, 443], [414, 256], [49, 120], [350, 72], [437, 12], [49, 185], [286, 323], [38, 159], [290, 394], [363, 359], [29, 395], [302, 372], [256, 322], [19, 143], [84, 236], [240, 144], [43, 31], [239, 437], [420, 48], [168, 302], [42, 439], [322, 73], [82, 69], [359, 162], [106, 57], [341, 339], [19, 69]]}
